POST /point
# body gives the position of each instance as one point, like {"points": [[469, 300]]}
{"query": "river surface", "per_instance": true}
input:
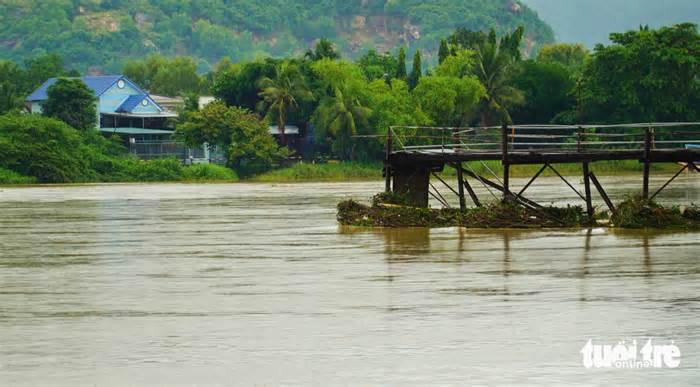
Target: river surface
{"points": [[256, 284]]}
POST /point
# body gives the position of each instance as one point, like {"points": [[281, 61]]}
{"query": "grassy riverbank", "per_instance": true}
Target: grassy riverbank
{"points": [[306, 172], [125, 170]]}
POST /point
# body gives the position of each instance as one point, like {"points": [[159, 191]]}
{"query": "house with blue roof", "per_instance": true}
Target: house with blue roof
{"points": [[124, 109], [122, 106]]}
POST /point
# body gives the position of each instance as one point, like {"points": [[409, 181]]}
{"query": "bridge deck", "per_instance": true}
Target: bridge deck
{"points": [[540, 157]]}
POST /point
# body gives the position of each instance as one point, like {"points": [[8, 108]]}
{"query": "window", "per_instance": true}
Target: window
{"points": [[121, 84]]}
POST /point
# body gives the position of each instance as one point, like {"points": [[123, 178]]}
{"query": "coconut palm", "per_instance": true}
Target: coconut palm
{"points": [[496, 60], [282, 93], [341, 116]]}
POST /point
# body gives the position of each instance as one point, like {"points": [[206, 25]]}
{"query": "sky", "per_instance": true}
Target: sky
{"points": [[591, 21]]}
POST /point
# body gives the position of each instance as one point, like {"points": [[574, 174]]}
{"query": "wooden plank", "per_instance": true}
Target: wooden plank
{"points": [[587, 185], [602, 192]]}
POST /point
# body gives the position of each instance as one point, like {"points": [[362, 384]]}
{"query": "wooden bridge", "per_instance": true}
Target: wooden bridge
{"points": [[414, 154]]}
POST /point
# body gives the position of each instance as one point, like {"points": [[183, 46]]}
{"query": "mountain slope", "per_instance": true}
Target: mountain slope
{"points": [[105, 33], [591, 21]]}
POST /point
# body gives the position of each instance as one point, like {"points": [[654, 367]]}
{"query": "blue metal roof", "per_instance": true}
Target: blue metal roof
{"points": [[130, 103], [98, 84]]}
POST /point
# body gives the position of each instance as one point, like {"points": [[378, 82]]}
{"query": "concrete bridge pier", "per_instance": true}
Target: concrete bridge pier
{"points": [[413, 181]]}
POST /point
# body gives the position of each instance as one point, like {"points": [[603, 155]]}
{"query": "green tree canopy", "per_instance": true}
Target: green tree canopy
{"points": [[72, 102], [401, 65], [282, 94], [572, 56], [244, 136], [167, 76], [449, 101], [645, 75], [416, 71], [548, 89]]}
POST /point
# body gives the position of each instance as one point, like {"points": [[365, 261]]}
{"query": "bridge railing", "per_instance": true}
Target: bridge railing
{"points": [[544, 138]]}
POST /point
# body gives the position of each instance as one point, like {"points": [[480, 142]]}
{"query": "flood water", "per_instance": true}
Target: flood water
{"points": [[242, 284]]}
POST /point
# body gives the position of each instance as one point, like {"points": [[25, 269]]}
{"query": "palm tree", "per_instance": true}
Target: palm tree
{"points": [[341, 116], [324, 49], [496, 59], [281, 94]]}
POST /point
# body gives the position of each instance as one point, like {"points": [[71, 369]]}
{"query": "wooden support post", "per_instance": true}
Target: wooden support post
{"points": [[460, 176], [504, 161], [499, 187], [587, 184], [460, 181], [472, 194], [601, 191], [647, 163], [387, 165]]}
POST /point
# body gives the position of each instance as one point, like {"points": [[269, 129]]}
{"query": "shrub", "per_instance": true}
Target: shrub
{"points": [[11, 177], [44, 148]]}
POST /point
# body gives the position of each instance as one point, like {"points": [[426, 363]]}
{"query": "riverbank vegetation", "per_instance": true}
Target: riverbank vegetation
{"points": [[36, 149], [344, 108], [391, 210]]}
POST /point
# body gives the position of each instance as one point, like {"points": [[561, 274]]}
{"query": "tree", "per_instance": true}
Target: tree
{"points": [[281, 94], [249, 147], [340, 116], [72, 102], [11, 91], [343, 106], [44, 148], [168, 76], [495, 62], [572, 56], [323, 50], [401, 65], [645, 75], [443, 52], [238, 86], [548, 89], [39, 69], [449, 101], [378, 66], [416, 71]]}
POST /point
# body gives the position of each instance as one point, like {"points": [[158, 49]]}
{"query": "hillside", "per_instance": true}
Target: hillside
{"points": [[591, 21], [101, 35]]}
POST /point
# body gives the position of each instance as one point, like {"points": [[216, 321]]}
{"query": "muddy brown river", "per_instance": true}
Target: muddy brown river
{"points": [[256, 284]]}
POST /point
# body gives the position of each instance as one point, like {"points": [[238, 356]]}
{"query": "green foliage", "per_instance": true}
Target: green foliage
{"points": [[548, 88], [249, 147], [238, 86], [378, 66], [572, 56], [11, 177], [449, 101], [101, 34], [45, 149], [495, 61], [646, 75], [72, 102], [343, 171], [324, 50], [167, 76], [401, 65], [636, 212], [282, 94], [16, 82], [416, 71], [443, 51]]}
